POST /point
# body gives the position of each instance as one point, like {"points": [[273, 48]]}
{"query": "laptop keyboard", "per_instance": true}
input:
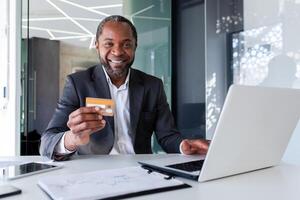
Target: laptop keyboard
{"points": [[189, 166]]}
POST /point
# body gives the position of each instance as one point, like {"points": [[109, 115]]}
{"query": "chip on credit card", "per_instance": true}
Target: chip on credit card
{"points": [[107, 105]]}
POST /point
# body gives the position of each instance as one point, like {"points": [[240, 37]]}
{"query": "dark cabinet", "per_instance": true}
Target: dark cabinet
{"points": [[40, 90]]}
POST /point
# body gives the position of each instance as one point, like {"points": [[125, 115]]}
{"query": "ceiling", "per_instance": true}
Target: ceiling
{"points": [[71, 21]]}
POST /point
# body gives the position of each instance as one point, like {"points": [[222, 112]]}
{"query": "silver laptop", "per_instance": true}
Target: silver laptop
{"points": [[252, 133]]}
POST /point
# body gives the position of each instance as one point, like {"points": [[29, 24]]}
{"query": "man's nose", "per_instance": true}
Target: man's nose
{"points": [[117, 50]]}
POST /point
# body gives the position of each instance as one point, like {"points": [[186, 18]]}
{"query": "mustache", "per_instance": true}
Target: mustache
{"points": [[116, 74]]}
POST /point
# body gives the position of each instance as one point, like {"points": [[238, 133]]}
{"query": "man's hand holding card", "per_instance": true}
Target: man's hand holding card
{"points": [[87, 120]]}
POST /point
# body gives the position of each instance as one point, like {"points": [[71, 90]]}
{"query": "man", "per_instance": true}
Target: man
{"points": [[141, 105]]}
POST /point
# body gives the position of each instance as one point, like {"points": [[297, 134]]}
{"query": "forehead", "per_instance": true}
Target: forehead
{"points": [[116, 30]]}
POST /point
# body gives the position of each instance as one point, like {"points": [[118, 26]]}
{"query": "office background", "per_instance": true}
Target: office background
{"points": [[197, 47]]}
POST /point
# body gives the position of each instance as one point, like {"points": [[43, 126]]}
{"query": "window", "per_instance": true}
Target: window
{"points": [[3, 54], [9, 77]]}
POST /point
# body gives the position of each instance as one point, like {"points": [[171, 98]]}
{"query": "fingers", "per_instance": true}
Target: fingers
{"points": [[85, 110], [189, 148], [98, 128], [200, 146], [197, 146], [86, 118], [78, 138], [87, 125], [85, 114], [82, 123], [186, 147]]}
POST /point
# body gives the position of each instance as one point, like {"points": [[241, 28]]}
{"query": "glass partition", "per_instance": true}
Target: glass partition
{"points": [[153, 56], [267, 51], [58, 39]]}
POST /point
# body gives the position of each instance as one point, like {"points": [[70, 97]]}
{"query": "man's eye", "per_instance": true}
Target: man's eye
{"points": [[127, 45], [108, 44]]}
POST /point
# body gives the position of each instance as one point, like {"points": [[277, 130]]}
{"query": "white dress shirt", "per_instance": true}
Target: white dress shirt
{"points": [[123, 143]]}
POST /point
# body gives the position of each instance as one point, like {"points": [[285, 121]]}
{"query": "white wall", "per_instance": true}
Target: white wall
{"points": [[10, 116], [285, 15]]}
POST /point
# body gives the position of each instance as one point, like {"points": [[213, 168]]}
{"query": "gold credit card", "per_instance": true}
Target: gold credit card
{"points": [[108, 105]]}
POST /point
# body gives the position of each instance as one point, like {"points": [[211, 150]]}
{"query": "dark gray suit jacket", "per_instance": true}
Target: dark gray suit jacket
{"points": [[149, 112]]}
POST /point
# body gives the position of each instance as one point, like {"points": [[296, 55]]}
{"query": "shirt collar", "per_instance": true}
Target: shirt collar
{"points": [[109, 80]]}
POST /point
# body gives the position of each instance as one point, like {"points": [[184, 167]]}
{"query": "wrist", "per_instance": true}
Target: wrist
{"points": [[180, 148], [69, 143]]}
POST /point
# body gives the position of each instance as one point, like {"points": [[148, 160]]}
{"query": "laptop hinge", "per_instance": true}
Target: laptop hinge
{"points": [[169, 173]]}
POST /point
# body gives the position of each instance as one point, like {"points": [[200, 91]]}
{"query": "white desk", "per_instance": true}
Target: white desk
{"points": [[280, 182]]}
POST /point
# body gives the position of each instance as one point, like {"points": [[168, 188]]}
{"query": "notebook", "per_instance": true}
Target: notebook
{"points": [[252, 133], [108, 184]]}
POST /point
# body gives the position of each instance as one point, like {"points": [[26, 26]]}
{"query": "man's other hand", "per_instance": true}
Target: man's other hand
{"points": [[196, 146]]}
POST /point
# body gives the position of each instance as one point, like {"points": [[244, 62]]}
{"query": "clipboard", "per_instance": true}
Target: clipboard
{"points": [[109, 184]]}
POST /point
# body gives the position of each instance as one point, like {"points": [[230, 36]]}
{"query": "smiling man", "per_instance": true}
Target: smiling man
{"points": [[141, 107]]}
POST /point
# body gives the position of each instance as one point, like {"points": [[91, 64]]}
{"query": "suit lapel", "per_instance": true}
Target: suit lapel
{"points": [[102, 89], [136, 94], [100, 83]]}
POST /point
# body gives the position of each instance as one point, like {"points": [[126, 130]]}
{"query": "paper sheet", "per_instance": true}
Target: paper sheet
{"points": [[104, 183]]}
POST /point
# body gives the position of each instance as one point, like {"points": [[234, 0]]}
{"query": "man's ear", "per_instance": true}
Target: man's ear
{"points": [[96, 44], [136, 44]]}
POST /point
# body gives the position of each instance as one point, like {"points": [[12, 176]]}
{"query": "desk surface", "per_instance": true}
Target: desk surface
{"points": [[280, 182]]}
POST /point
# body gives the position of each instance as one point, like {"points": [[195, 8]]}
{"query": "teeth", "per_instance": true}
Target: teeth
{"points": [[117, 61]]}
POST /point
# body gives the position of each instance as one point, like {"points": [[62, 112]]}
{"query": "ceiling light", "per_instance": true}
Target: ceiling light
{"points": [[106, 6], [60, 18], [83, 39], [85, 8], [70, 18], [52, 30]]}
